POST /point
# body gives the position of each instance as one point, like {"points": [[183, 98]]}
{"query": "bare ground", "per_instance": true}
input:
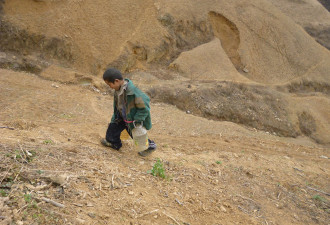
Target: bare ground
{"points": [[217, 172]]}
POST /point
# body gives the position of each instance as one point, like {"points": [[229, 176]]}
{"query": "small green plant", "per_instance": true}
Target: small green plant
{"points": [[66, 116], [40, 171], [158, 169], [3, 193], [218, 162], [48, 142], [27, 198], [318, 198]]}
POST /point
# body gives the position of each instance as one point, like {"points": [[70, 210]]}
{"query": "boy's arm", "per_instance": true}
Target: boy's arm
{"points": [[142, 109], [113, 118]]}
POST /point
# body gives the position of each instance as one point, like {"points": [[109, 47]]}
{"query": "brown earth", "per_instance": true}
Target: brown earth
{"points": [[240, 108], [220, 172]]}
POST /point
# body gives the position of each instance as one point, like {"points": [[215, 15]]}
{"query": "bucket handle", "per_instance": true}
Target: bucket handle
{"points": [[134, 123]]}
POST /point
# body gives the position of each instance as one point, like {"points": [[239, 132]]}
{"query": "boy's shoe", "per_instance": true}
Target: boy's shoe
{"points": [[147, 152], [108, 144]]}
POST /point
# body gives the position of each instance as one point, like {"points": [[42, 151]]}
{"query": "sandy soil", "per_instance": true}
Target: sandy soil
{"points": [[217, 172]]}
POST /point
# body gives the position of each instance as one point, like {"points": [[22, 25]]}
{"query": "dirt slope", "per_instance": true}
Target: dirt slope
{"points": [[240, 107], [311, 15], [269, 44], [220, 172]]}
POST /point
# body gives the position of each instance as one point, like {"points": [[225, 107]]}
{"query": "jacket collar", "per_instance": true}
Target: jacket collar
{"points": [[130, 87]]}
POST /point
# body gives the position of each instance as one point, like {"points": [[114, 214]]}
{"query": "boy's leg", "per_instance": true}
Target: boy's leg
{"points": [[152, 144], [113, 134]]}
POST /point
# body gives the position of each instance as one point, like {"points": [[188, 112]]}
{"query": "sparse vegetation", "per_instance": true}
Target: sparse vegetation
{"points": [[3, 193], [48, 142], [27, 198], [318, 198], [158, 170]]}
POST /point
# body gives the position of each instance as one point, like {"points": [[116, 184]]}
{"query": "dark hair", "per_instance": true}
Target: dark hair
{"points": [[112, 74]]}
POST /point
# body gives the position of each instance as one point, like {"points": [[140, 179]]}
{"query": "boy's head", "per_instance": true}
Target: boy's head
{"points": [[113, 78]]}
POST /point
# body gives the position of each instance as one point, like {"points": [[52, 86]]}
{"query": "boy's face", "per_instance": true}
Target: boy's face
{"points": [[115, 85]]}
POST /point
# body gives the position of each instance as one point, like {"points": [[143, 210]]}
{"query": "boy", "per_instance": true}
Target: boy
{"points": [[130, 104]]}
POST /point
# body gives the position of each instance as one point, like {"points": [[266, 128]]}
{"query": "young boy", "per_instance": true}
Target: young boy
{"points": [[130, 104]]}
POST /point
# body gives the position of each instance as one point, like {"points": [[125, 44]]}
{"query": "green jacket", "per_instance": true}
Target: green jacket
{"points": [[137, 106]]}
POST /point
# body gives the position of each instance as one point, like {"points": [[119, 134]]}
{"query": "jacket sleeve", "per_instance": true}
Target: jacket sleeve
{"points": [[142, 108]]}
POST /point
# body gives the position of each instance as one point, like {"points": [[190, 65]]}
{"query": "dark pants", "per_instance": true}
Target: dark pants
{"points": [[113, 134]]}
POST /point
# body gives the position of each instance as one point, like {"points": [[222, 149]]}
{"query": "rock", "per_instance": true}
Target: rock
{"points": [[55, 86], [223, 209], [245, 70], [19, 222], [92, 215], [188, 112], [131, 193]]}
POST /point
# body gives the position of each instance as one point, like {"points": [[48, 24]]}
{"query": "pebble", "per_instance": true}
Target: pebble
{"points": [[92, 215], [131, 193], [55, 86], [245, 70], [223, 209]]}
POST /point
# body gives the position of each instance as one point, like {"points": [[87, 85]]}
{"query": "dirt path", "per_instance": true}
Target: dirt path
{"points": [[217, 172]]}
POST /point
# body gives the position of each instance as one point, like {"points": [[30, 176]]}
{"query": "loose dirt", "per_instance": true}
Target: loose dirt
{"points": [[217, 172]]}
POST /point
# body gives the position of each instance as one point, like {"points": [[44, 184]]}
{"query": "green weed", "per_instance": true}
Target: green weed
{"points": [[66, 116], [3, 193], [48, 142], [158, 170], [318, 198], [28, 198], [218, 162]]}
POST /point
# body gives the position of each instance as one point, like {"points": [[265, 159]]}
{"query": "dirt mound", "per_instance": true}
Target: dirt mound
{"points": [[254, 106], [207, 62]]}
